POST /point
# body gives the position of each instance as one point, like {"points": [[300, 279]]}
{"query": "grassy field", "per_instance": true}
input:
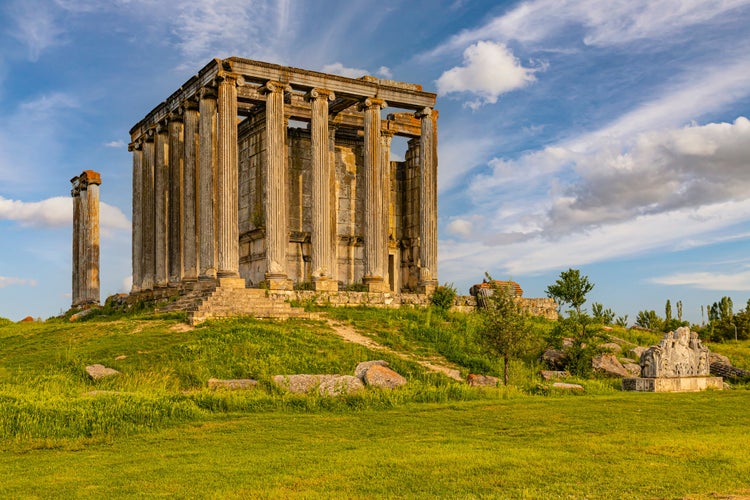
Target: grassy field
{"points": [[156, 430]]}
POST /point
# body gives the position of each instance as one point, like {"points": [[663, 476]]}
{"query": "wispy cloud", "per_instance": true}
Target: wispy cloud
{"points": [[115, 144], [735, 281], [6, 281], [56, 212], [339, 69], [35, 25], [614, 22]]}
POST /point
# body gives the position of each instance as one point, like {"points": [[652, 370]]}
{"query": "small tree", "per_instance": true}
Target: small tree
{"points": [[506, 331], [603, 316], [570, 288]]}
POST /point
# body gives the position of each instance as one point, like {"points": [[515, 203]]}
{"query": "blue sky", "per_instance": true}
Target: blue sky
{"points": [[611, 136]]}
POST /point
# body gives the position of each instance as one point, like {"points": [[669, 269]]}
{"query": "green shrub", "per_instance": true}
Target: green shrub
{"points": [[444, 296]]}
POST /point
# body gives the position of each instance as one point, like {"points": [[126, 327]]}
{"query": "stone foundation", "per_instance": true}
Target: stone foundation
{"points": [[677, 384]]}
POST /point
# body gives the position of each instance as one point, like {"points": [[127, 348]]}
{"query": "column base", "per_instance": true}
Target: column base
{"points": [[325, 285], [232, 282], [277, 282], [427, 287], [376, 284]]}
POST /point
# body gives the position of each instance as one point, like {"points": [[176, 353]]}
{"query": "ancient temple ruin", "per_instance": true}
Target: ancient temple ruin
{"points": [[258, 175], [680, 363], [85, 193]]}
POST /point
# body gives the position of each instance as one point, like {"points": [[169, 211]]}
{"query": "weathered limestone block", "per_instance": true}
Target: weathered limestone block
{"points": [[381, 376], [326, 385], [482, 380], [362, 367], [637, 351], [232, 384], [567, 387], [98, 372], [553, 374], [608, 364]]}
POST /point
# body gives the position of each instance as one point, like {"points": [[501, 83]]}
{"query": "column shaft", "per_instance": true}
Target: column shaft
{"points": [[276, 210], [137, 223], [375, 245], [161, 206], [76, 194], [321, 190], [92, 243], [385, 182], [190, 235], [207, 185], [147, 230], [428, 196], [228, 183], [176, 159], [83, 218]]}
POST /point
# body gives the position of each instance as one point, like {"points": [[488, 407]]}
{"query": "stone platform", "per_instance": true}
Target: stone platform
{"points": [[675, 384]]}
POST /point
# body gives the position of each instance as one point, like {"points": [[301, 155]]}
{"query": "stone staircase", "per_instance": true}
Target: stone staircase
{"points": [[228, 297]]}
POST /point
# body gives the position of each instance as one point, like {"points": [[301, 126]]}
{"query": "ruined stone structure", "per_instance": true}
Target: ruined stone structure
{"points": [[679, 363], [85, 193], [226, 188]]}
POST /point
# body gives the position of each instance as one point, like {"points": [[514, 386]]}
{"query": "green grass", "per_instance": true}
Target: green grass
{"points": [[617, 446], [156, 430]]}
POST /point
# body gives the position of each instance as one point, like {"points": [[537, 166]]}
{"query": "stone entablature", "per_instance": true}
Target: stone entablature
{"points": [[224, 187], [85, 193], [679, 354]]}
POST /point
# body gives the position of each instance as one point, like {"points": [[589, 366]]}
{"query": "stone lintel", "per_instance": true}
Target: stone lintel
{"points": [[675, 384]]}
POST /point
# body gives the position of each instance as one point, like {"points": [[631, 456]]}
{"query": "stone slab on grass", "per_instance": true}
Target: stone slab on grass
{"points": [[326, 385], [567, 387], [98, 372], [232, 384], [482, 380], [362, 367], [381, 376], [553, 374]]}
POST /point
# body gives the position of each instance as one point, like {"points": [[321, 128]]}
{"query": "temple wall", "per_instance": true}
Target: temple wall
{"points": [[251, 199]]}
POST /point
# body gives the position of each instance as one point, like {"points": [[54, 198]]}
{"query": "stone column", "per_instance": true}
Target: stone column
{"points": [[207, 184], [275, 180], [428, 196], [147, 230], [137, 223], [190, 235], [75, 192], [161, 205], [91, 263], [228, 183], [176, 158], [385, 182], [375, 246], [321, 191]]}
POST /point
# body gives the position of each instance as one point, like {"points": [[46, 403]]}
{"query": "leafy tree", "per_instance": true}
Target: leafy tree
{"points": [[679, 310], [570, 288], [604, 316], [622, 321], [506, 332], [649, 320], [668, 313], [721, 317]]}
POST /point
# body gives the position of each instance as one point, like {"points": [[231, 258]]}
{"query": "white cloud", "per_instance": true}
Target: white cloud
{"points": [[613, 22], [57, 212], [489, 70], [385, 72], [736, 281], [339, 69], [115, 144], [35, 26], [6, 281], [459, 227]]}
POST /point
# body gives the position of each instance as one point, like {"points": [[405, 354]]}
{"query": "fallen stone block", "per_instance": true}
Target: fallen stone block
{"points": [[567, 387], [553, 374], [362, 367], [98, 372], [326, 385], [232, 384], [482, 380], [381, 376], [607, 364]]}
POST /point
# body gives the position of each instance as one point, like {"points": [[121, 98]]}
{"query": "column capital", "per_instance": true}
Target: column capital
{"points": [[424, 113], [274, 86], [372, 102], [190, 103], [175, 115], [162, 127], [387, 134], [207, 93], [319, 93], [230, 78], [136, 145], [150, 134]]}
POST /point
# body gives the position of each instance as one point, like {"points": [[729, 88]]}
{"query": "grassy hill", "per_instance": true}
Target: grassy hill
{"points": [[157, 424]]}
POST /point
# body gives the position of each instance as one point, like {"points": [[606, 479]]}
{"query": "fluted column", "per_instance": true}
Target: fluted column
{"points": [[428, 196], [385, 182], [321, 191], [75, 192], [91, 263], [375, 245], [228, 183], [147, 230], [161, 204], [137, 223], [176, 157], [276, 209], [207, 184], [190, 235]]}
